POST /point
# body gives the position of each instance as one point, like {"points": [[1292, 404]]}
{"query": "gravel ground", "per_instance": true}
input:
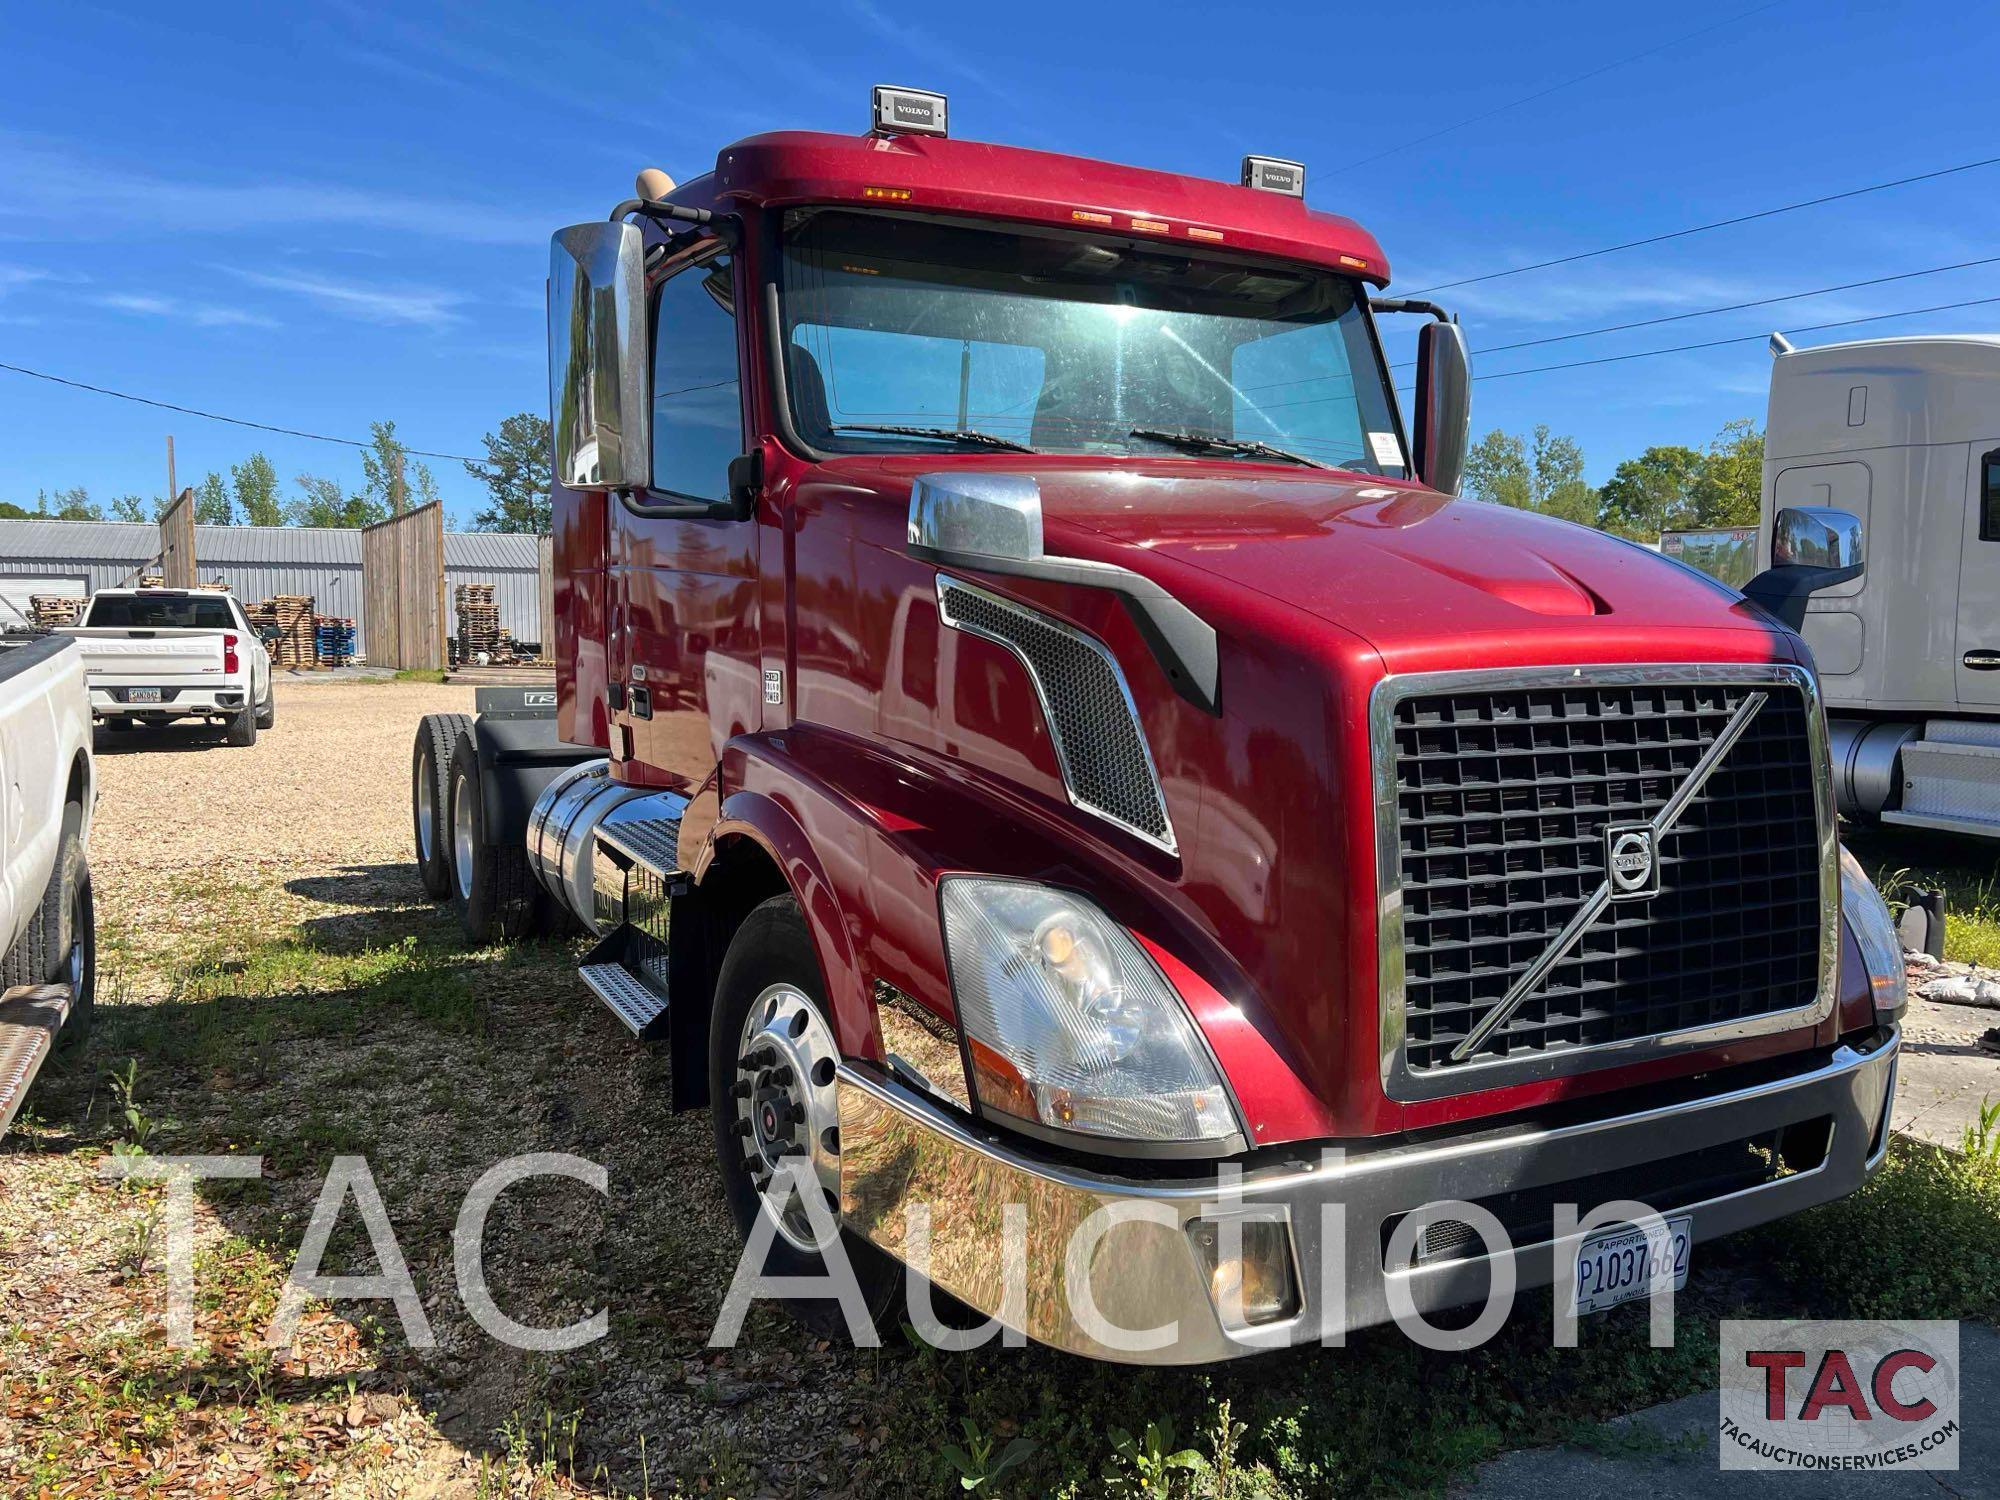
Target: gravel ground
{"points": [[271, 964]]}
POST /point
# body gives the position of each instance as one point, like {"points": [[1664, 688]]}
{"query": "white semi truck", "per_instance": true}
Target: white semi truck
{"points": [[1903, 433]]}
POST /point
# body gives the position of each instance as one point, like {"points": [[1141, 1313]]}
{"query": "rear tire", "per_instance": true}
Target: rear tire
{"points": [[772, 972], [430, 797], [492, 889], [60, 944], [243, 727]]}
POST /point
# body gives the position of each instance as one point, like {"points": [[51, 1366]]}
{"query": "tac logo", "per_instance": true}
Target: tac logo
{"points": [[1839, 1396]]}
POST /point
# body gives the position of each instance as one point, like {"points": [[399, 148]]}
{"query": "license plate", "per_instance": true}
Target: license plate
{"points": [[1617, 1265], [142, 695]]}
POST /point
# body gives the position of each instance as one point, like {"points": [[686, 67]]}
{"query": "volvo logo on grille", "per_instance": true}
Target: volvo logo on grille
{"points": [[1631, 860]]}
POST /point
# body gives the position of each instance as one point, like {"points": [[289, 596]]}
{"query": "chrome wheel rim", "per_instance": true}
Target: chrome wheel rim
{"points": [[76, 962], [461, 838], [426, 794], [786, 1106]]}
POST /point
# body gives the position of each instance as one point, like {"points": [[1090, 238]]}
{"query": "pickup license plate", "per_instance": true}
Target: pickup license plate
{"points": [[1617, 1265], [142, 695]]}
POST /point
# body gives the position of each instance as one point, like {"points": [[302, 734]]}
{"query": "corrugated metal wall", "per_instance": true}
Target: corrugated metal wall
{"points": [[259, 561]]}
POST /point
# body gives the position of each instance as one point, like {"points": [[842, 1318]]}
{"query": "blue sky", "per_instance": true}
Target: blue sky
{"points": [[318, 215]]}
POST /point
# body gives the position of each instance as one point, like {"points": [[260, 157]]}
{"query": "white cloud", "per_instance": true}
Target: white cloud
{"points": [[425, 307], [50, 184], [201, 314]]}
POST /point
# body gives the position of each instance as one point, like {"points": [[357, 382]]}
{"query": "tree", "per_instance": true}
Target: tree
{"points": [[212, 505], [1545, 474], [70, 505], [393, 479], [257, 491], [326, 504], [516, 475], [9, 511], [1730, 490], [133, 508], [1653, 492], [1496, 470]]}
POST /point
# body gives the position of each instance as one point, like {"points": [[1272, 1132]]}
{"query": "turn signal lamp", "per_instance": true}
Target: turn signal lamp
{"points": [[1273, 174]]}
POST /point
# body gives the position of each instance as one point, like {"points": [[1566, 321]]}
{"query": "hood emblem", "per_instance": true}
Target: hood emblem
{"points": [[1636, 845]]}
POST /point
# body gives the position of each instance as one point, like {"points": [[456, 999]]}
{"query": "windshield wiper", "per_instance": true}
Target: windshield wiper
{"points": [[1203, 442], [944, 434]]}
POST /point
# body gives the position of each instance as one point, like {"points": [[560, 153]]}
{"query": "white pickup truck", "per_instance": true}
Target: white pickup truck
{"points": [[157, 655], [49, 969]]}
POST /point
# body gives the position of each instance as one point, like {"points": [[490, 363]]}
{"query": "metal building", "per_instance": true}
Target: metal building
{"points": [[78, 557]]}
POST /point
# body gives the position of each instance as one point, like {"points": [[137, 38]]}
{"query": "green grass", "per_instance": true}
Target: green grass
{"points": [[420, 674], [1900, 859]]}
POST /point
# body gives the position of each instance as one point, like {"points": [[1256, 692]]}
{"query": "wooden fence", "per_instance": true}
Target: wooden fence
{"points": [[177, 542], [402, 590]]}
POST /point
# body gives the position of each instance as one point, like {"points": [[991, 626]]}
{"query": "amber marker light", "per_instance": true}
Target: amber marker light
{"points": [[1151, 226], [1355, 261], [1085, 216], [887, 194], [1214, 235]]}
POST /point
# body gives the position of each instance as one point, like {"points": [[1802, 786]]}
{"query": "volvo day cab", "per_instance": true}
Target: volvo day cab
{"points": [[1034, 727], [1904, 436], [159, 655], [48, 933]]}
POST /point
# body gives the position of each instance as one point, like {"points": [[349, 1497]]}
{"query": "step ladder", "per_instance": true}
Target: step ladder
{"points": [[30, 1017], [639, 871], [1951, 778]]}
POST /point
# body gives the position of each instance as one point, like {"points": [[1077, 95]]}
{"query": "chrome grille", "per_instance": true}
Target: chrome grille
{"points": [[1098, 740], [1493, 798]]}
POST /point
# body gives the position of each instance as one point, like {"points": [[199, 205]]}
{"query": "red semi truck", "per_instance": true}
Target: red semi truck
{"points": [[1034, 726]]}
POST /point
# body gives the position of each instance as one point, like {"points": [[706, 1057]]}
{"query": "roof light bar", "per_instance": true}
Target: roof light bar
{"points": [[1273, 174], [908, 111]]}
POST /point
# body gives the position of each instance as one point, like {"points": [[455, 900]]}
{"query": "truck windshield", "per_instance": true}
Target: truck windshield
{"points": [[159, 612], [1062, 343]]}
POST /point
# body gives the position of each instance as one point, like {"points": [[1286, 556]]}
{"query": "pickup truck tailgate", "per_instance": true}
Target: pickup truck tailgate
{"points": [[125, 656]]}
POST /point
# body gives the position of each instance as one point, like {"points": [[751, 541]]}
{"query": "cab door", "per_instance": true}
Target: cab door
{"points": [[1978, 642], [684, 588]]}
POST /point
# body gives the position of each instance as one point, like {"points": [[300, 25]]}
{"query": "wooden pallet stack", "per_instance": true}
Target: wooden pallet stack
{"points": [[51, 610], [152, 580], [334, 638], [291, 615], [479, 623]]}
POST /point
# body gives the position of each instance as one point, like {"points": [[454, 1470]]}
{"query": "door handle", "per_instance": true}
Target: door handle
{"points": [[1982, 661]]}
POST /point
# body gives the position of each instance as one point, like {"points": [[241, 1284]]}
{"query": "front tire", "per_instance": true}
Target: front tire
{"points": [[492, 888], [268, 714], [772, 1057], [60, 944]]}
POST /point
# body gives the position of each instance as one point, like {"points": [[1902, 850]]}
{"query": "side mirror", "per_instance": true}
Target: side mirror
{"points": [[1443, 408], [597, 357], [1813, 547]]}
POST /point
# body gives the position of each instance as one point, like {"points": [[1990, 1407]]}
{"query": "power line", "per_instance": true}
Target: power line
{"points": [[317, 437], [1499, 109], [1706, 312], [1681, 234], [1745, 338]]}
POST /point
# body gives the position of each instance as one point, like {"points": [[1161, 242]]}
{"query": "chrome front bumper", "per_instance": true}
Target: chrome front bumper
{"points": [[899, 1149]]}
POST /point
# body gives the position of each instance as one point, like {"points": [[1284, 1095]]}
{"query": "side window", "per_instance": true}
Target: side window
{"points": [[1989, 497], [697, 409]]}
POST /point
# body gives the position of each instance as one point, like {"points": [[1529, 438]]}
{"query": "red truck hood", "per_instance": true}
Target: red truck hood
{"points": [[1425, 579]]}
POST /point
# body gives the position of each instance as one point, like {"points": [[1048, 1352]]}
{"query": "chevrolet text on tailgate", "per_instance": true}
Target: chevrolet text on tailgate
{"points": [[1094, 819]]}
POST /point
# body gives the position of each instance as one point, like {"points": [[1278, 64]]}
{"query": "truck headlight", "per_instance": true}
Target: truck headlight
{"points": [[1068, 1024], [1875, 935]]}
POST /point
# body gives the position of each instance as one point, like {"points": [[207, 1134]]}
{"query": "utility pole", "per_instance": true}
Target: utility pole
{"points": [[172, 488], [399, 496]]}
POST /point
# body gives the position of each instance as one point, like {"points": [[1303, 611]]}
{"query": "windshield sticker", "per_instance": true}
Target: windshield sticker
{"points": [[1388, 452]]}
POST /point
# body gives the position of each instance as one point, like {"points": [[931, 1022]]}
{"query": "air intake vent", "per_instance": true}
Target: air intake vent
{"points": [[1105, 763]]}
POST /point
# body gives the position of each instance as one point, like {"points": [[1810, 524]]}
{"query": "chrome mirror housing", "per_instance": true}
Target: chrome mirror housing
{"points": [[1813, 547], [1816, 536], [969, 517], [597, 357]]}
